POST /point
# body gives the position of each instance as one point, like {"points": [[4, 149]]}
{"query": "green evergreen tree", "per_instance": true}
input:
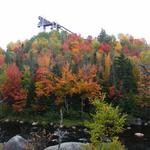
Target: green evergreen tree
{"points": [[107, 122], [103, 37], [122, 75]]}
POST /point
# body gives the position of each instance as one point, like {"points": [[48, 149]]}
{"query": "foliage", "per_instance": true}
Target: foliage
{"points": [[12, 89], [104, 37], [43, 84], [60, 69], [64, 84], [107, 122], [122, 75], [86, 85], [114, 145]]}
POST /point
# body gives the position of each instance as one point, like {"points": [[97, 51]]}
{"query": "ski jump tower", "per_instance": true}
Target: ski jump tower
{"points": [[53, 25]]}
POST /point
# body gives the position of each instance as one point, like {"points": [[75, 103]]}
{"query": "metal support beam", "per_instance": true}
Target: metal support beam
{"points": [[45, 23]]}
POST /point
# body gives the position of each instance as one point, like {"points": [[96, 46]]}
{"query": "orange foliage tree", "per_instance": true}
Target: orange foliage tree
{"points": [[64, 85], [43, 59], [86, 85], [44, 87], [43, 82]]}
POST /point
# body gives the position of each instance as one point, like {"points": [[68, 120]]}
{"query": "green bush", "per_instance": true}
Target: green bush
{"points": [[114, 145], [107, 122]]}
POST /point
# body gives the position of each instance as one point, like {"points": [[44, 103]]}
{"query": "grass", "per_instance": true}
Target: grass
{"points": [[44, 120], [73, 118]]}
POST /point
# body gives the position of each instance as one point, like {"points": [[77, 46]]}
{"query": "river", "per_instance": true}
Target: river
{"points": [[75, 133]]}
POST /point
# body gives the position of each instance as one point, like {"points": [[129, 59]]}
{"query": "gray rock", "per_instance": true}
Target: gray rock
{"points": [[84, 140], [34, 123], [73, 127], [129, 128], [145, 124], [16, 143], [138, 121], [70, 146]]}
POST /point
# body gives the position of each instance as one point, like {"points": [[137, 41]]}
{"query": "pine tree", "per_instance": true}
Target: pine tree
{"points": [[122, 75]]}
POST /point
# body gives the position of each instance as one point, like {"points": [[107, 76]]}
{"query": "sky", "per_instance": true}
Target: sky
{"points": [[19, 18]]}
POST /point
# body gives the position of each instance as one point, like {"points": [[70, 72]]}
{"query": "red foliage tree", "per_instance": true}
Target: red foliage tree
{"points": [[105, 47], [12, 88]]}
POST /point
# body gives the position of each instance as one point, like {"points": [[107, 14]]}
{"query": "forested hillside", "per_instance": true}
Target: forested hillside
{"points": [[60, 70]]}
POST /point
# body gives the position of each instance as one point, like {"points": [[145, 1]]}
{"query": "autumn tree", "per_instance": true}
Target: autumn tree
{"points": [[55, 43], [79, 48], [86, 85], [12, 90], [44, 87], [144, 88], [144, 80], [64, 85], [28, 84]]}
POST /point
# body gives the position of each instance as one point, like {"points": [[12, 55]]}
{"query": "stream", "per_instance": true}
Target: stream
{"points": [[49, 134]]}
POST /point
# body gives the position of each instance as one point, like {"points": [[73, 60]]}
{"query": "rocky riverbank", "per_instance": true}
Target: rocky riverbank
{"points": [[19, 143], [44, 136]]}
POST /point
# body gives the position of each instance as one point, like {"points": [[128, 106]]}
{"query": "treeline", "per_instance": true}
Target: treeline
{"points": [[60, 70]]}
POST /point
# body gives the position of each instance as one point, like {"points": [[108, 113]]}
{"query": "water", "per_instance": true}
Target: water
{"points": [[75, 133], [133, 142]]}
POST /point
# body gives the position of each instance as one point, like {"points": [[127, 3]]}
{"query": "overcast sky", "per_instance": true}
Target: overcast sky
{"points": [[19, 18]]}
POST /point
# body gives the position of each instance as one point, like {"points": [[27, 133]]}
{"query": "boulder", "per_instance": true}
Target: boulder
{"points": [[139, 134], [70, 146], [16, 143]]}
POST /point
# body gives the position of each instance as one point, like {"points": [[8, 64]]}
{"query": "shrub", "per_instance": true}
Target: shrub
{"points": [[107, 122]]}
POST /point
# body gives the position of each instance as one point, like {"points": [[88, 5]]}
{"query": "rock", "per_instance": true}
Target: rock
{"points": [[83, 140], [86, 130], [16, 143], [128, 128], [34, 129], [21, 121], [70, 146], [51, 123], [145, 124], [73, 127], [6, 120], [34, 123], [138, 121], [139, 134]]}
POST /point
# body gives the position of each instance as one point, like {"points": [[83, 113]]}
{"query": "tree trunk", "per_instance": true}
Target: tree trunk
{"points": [[81, 109], [59, 131], [61, 117], [66, 105]]}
